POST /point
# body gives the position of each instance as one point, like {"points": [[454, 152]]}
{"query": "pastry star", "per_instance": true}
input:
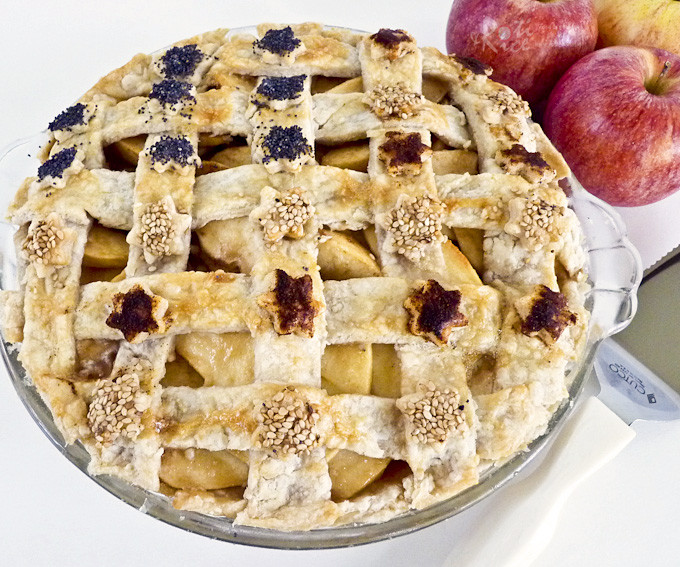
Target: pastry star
{"points": [[159, 230], [544, 314], [288, 423], [535, 221], [434, 312], [292, 305], [62, 165], [404, 153], [283, 214], [393, 43], [137, 313], [279, 46], [413, 225], [433, 414], [49, 243], [517, 160], [116, 409]]}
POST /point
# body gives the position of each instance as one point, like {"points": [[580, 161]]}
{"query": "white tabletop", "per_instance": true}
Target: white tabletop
{"points": [[53, 515]]}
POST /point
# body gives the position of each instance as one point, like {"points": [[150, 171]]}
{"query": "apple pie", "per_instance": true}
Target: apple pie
{"points": [[302, 279]]}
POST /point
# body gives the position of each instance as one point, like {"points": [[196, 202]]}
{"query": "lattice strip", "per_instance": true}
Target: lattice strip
{"points": [[439, 468], [105, 195], [159, 241], [285, 355], [397, 61], [341, 197], [509, 419], [295, 356], [216, 112], [135, 459], [409, 239], [51, 294], [289, 338], [506, 260], [222, 418], [343, 117], [479, 201], [52, 290], [384, 319], [297, 490], [137, 77], [322, 52], [215, 302], [507, 140], [221, 303]]}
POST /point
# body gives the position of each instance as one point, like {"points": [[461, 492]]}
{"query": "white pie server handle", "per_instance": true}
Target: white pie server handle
{"points": [[525, 517]]}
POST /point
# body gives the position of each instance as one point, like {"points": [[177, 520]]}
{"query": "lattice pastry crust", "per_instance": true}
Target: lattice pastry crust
{"points": [[479, 363]]}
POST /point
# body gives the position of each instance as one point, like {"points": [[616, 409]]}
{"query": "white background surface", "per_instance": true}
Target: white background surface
{"points": [[52, 514]]}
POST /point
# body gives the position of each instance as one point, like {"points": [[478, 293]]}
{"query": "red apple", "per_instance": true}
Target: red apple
{"points": [[615, 116], [651, 23], [529, 43]]}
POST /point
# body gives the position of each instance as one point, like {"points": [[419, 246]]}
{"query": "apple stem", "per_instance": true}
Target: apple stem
{"points": [[654, 85], [664, 71]]}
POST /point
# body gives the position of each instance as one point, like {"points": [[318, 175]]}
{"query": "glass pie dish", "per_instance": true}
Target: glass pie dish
{"points": [[614, 272]]}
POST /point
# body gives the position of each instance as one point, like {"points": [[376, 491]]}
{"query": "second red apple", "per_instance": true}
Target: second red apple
{"points": [[615, 117], [529, 43]]}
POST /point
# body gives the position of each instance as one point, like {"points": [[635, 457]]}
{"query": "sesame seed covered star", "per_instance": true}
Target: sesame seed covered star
{"points": [[48, 243], [413, 225], [508, 102], [393, 101], [116, 408], [283, 214], [137, 313], [535, 221], [160, 230], [433, 414], [434, 312], [288, 424]]}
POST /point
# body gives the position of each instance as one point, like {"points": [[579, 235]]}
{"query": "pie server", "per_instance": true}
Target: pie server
{"points": [[522, 526]]}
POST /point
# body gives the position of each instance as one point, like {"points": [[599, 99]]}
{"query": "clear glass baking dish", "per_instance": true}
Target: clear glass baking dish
{"points": [[615, 273]]}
